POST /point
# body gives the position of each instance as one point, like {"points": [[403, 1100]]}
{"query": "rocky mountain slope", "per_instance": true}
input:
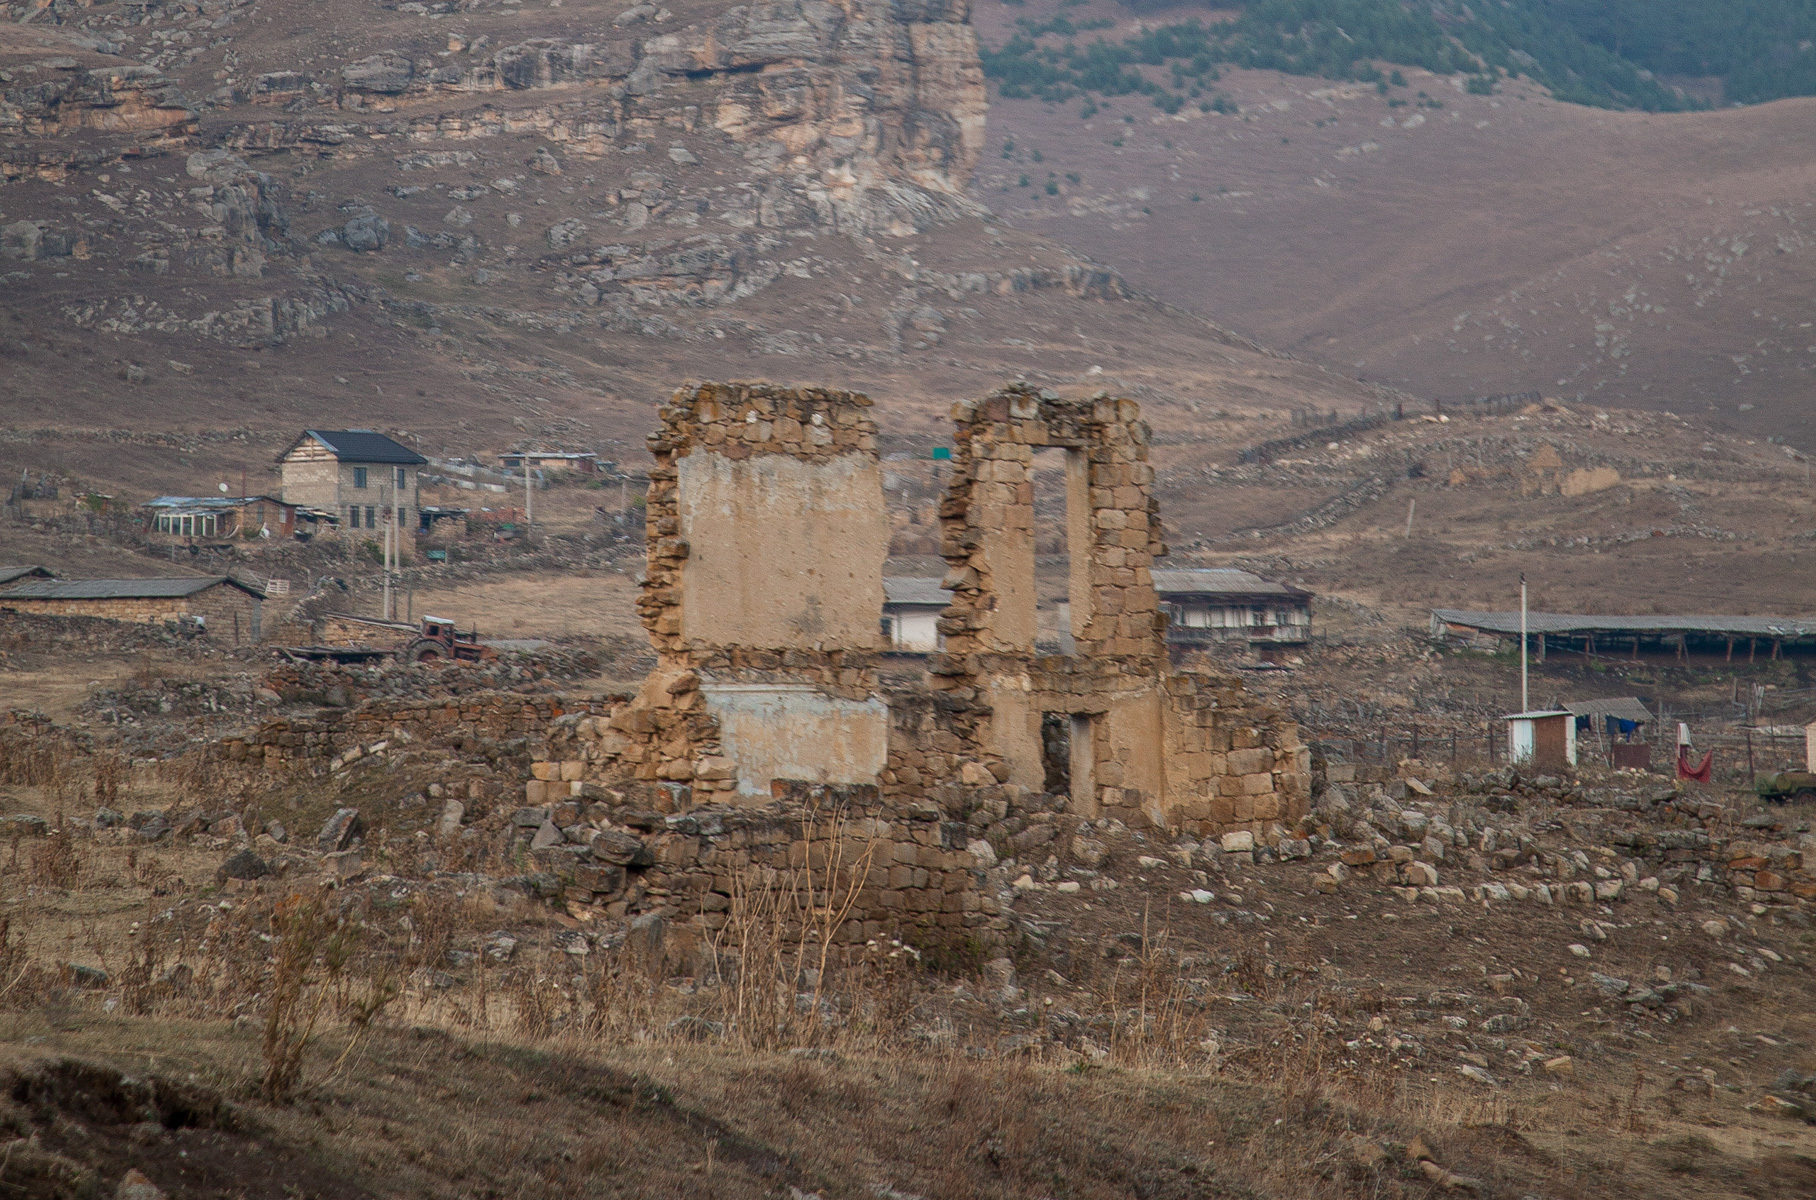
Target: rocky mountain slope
{"points": [[483, 220]]}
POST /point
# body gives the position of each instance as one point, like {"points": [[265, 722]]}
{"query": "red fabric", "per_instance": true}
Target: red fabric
{"points": [[1701, 773]]}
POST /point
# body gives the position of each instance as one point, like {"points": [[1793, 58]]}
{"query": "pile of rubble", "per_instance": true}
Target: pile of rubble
{"points": [[1498, 829], [547, 668]]}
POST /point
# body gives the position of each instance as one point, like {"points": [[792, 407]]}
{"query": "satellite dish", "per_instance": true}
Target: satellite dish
{"points": [[223, 489]]}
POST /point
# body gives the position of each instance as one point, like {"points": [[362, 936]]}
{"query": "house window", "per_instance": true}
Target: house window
{"points": [[207, 524], [359, 478], [402, 479], [353, 516], [188, 526], [371, 517]]}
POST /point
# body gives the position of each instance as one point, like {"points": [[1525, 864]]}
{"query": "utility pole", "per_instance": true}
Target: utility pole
{"points": [[390, 528], [1525, 703], [529, 508]]}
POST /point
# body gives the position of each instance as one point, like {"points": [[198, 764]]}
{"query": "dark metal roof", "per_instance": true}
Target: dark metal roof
{"points": [[122, 589], [8, 574], [912, 591], [1627, 708], [1221, 581], [363, 446], [1538, 622]]}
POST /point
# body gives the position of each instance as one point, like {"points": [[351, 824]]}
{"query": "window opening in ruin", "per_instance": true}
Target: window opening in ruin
{"points": [[1056, 752], [1052, 554]]}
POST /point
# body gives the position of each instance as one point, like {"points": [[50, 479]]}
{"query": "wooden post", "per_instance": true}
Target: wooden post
{"points": [[1752, 775]]}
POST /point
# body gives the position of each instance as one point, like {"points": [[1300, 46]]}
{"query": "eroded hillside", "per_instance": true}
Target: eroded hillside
{"points": [[473, 220]]}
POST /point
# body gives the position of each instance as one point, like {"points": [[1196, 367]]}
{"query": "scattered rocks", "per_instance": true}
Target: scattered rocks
{"points": [[244, 865], [14, 825], [339, 830], [1088, 852], [135, 1186]]}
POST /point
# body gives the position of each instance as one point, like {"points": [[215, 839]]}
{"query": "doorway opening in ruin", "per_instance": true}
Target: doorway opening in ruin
{"points": [[1056, 752], [1067, 754], [1061, 501]]}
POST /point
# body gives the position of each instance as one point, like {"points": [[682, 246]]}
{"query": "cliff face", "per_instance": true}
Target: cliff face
{"points": [[492, 205], [672, 157]]}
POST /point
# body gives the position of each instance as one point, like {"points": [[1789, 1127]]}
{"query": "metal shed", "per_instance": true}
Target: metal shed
{"points": [[1543, 740]]}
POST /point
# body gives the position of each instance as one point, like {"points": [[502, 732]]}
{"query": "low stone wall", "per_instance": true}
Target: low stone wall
{"points": [[231, 615], [904, 869], [316, 743], [43, 631]]}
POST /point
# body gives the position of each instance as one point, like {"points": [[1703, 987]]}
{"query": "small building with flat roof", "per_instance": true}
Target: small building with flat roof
{"points": [[11, 575], [911, 612], [1544, 740], [218, 605], [217, 518]]}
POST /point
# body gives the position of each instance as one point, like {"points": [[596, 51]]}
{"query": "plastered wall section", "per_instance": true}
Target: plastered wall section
{"points": [[797, 732], [782, 552]]}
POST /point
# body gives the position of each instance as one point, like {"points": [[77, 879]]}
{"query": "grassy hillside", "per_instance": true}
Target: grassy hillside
{"points": [[1608, 54]]}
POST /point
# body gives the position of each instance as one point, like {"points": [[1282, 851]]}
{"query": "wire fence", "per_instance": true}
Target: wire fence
{"points": [[1741, 755]]}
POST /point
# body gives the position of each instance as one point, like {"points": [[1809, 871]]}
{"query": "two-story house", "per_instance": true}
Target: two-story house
{"points": [[355, 474]]}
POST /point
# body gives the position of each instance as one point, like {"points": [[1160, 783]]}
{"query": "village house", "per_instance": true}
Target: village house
{"points": [[1223, 606], [220, 518], [911, 613], [10, 575], [218, 605], [353, 475], [585, 462]]}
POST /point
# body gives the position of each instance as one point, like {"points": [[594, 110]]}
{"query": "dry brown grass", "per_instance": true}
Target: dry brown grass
{"points": [[601, 605], [773, 1056]]}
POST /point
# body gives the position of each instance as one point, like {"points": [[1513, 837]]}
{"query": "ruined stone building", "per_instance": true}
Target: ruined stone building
{"points": [[767, 537]]}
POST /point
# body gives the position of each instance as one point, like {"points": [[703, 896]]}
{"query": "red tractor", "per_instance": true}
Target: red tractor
{"points": [[440, 640]]}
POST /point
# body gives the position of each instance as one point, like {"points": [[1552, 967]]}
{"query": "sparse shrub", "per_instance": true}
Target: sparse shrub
{"points": [[313, 949], [55, 861]]}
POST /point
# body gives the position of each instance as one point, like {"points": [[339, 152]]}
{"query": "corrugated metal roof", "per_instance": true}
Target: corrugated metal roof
{"points": [[1214, 581], [1627, 708], [215, 503], [8, 574], [121, 589], [915, 591], [365, 446], [1539, 622]]}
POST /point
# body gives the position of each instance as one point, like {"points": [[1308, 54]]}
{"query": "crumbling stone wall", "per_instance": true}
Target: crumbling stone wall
{"points": [[766, 541], [1149, 745], [767, 531], [335, 737]]}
